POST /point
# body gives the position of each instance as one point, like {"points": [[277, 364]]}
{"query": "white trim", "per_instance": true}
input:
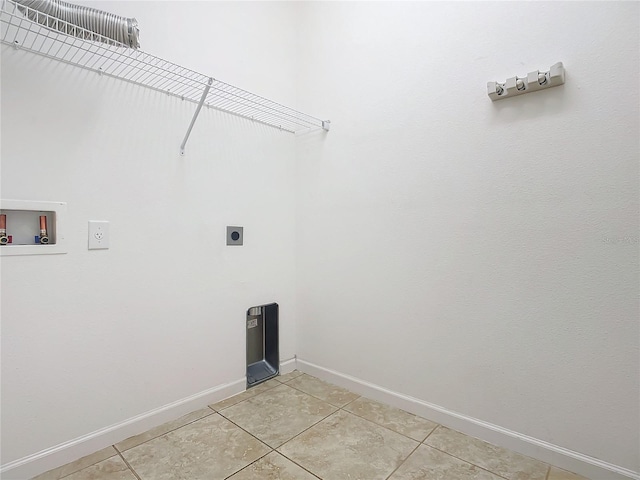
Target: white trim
{"points": [[72, 450], [288, 365], [547, 452]]}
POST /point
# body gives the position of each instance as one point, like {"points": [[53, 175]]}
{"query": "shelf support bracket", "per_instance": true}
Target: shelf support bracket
{"points": [[195, 115]]}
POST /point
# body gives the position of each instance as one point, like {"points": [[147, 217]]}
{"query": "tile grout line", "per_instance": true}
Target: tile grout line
{"points": [[476, 465], [135, 474], [213, 411], [246, 431], [295, 436], [269, 446], [342, 408], [321, 399], [337, 409], [298, 434], [378, 425], [403, 461], [88, 466], [349, 403], [420, 442], [461, 459], [165, 433], [394, 431], [247, 466], [363, 418], [285, 381], [323, 418], [241, 401], [429, 434], [466, 461], [119, 452], [412, 451], [296, 463]]}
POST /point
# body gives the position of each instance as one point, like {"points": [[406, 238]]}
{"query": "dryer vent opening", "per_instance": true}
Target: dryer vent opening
{"points": [[263, 355]]}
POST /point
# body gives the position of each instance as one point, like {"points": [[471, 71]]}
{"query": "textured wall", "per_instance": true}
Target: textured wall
{"points": [[480, 256], [92, 338]]}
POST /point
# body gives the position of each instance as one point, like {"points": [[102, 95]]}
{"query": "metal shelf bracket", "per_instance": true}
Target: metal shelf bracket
{"points": [[205, 92]]}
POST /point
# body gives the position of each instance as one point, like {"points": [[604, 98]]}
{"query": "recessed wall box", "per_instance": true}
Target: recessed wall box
{"points": [[32, 227], [263, 355]]}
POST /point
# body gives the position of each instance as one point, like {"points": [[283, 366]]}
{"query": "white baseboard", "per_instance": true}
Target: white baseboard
{"points": [[72, 450], [547, 452], [287, 366]]}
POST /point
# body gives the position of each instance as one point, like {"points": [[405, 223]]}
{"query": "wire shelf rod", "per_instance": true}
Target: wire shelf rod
{"points": [[249, 102], [31, 30]]}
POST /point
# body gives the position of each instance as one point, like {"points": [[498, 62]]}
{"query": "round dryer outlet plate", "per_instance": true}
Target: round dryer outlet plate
{"points": [[234, 235]]}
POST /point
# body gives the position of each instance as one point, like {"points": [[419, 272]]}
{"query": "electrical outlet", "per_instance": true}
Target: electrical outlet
{"points": [[98, 235]]}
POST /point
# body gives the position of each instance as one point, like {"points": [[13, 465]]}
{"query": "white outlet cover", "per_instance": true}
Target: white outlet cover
{"points": [[98, 234]]}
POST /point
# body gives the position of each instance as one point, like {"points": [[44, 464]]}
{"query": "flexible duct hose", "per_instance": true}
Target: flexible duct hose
{"points": [[120, 29]]}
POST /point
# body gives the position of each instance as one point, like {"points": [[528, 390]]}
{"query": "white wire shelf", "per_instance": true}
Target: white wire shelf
{"points": [[76, 46]]}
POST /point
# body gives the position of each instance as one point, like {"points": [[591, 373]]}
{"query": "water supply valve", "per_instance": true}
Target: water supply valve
{"points": [[44, 237], [3, 230]]}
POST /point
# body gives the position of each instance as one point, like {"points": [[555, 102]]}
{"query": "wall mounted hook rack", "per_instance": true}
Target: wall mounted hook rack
{"points": [[533, 82]]}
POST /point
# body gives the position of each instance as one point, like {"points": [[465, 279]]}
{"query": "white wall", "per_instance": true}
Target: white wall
{"points": [[479, 256], [92, 338]]}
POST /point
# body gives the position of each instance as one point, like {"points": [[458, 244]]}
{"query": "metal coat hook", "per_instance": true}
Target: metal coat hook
{"points": [[533, 82]]}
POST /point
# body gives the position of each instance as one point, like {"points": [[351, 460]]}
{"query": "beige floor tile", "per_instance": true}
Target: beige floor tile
{"points": [[288, 376], [503, 462], [365, 441], [427, 463], [345, 446], [162, 429], [111, 469], [558, 474], [273, 467], [241, 397], [50, 474], [332, 394], [393, 418], [79, 464], [211, 448], [278, 414]]}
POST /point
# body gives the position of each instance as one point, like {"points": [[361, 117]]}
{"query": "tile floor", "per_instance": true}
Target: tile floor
{"points": [[296, 427]]}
